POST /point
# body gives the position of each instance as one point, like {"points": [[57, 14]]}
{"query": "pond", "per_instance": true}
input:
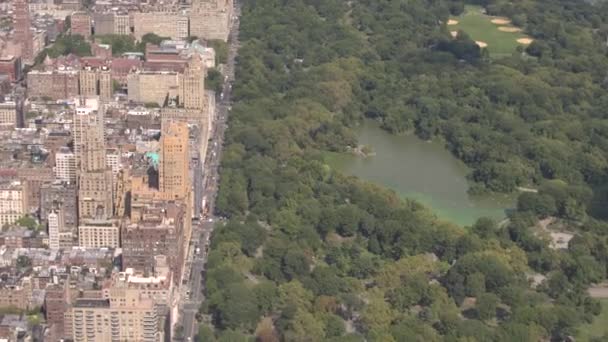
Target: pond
{"points": [[421, 170]]}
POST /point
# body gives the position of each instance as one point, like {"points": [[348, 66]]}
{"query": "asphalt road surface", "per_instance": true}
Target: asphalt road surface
{"points": [[193, 297]]}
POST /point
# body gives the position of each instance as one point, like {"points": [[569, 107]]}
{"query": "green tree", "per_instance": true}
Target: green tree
{"points": [[486, 305]]}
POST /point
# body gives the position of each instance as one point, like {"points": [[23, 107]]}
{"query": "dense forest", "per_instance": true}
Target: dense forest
{"points": [[309, 254]]}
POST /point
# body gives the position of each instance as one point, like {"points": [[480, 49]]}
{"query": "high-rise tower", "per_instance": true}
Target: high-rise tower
{"points": [[23, 31], [174, 172], [193, 84], [95, 198]]}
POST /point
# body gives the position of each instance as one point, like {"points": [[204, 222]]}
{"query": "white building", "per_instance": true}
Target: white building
{"points": [[65, 166], [55, 222], [13, 201]]}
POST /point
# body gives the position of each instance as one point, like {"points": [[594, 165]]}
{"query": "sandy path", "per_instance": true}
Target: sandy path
{"points": [[452, 22], [509, 29], [500, 21], [525, 41], [481, 44]]}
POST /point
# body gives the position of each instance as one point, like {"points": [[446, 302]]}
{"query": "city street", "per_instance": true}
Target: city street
{"points": [[193, 296]]}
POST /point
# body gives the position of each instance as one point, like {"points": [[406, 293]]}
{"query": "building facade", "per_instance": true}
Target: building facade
{"points": [[165, 24], [153, 87], [55, 222], [13, 201], [159, 231], [81, 24], [211, 19], [65, 165], [120, 318], [174, 174], [56, 85], [8, 115], [98, 234], [23, 31]]}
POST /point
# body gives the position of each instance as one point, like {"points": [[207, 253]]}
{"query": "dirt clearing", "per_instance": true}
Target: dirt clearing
{"points": [[452, 22], [509, 29], [525, 41], [500, 21], [481, 44]]}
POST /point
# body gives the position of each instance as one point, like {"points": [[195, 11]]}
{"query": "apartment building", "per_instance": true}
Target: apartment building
{"points": [[120, 318], [65, 165], [13, 201], [99, 233], [165, 24], [55, 85]]}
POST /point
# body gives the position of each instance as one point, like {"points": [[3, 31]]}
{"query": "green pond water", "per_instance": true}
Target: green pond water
{"points": [[421, 170]]}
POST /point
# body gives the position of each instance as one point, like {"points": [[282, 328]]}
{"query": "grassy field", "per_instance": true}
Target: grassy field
{"points": [[480, 28], [598, 328]]}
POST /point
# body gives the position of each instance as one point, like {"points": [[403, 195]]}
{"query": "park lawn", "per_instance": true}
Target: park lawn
{"points": [[480, 28], [599, 326]]}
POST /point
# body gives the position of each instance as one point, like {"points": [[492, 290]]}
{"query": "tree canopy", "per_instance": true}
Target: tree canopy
{"points": [[311, 254]]}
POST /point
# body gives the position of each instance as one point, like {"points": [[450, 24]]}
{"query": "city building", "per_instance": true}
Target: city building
{"points": [[211, 19], [95, 197], [157, 285], [103, 51], [103, 23], [53, 84], [81, 24], [56, 303], [165, 24], [174, 174], [13, 201], [98, 233], [14, 296], [192, 94], [23, 31], [153, 87], [124, 317], [56, 225], [156, 229], [11, 66], [61, 196], [96, 82], [65, 165], [122, 24], [8, 114]]}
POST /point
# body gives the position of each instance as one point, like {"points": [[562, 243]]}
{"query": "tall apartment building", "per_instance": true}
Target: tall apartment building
{"points": [[157, 230], [153, 87], [103, 23], [23, 31], [96, 82], [56, 225], [122, 24], [65, 165], [56, 85], [8, 115], [81, 24], [192, 94], [11, 66], [98, 233], [56, 303], [157, 285], [62, 196], [95, 198], [121, 318], [13, 201], [211, 19], [174, 174], [165, 24]]}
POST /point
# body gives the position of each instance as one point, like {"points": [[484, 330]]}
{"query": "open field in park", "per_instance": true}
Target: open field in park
{"points": [[598, 328], [494, 33]]}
